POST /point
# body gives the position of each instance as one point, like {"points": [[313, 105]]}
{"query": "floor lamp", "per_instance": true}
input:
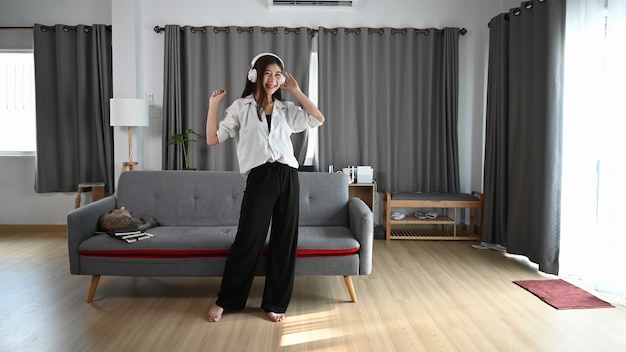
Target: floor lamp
{"points": [[129, 112]]}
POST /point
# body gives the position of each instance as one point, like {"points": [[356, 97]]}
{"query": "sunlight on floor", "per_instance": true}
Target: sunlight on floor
{"points": [[309, 327]]}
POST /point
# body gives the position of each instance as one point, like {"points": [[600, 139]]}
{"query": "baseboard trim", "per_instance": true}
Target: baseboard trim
{"points": [[47, 228]]}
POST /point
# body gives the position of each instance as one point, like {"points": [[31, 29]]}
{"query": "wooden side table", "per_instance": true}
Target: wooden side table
{"points": [[365, 191], [96, 189]]}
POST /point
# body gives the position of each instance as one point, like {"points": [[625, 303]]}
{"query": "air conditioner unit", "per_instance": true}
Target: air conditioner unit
{"points": [[311, 3]]}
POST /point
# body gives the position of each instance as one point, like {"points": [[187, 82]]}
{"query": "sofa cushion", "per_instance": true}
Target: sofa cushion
{"points": [[316, 241], [323, 199], [183, 198], [168, 242], [202, 242], [213, 198]]}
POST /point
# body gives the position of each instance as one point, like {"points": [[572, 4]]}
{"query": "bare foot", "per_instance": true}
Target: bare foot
{"points": [[215, 313], [275, 317]]}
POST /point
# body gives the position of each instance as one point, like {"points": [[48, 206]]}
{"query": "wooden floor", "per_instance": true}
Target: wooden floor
{"points": [[422, 296]]}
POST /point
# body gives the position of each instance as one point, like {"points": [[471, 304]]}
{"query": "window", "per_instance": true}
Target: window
{"points": [[594, 164], [17, 103], [312, 147]]}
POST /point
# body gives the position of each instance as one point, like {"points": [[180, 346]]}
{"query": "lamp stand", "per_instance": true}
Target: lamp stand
{"points": [[130, 165]]}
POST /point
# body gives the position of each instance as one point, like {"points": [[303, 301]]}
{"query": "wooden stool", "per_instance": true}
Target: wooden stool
{"points": [[96, 189]]}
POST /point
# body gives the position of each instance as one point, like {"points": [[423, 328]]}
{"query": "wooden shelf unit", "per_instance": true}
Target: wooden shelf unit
{"points": [[365, 191], [444, 227]]}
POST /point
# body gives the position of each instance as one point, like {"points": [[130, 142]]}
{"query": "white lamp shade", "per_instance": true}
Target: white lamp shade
{"points": [[129, 112]]}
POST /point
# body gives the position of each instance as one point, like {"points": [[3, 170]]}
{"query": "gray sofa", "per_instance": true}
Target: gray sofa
{"points": [[198, 212]]}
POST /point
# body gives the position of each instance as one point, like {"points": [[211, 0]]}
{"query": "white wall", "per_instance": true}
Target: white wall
{"points": [[138, 68]]}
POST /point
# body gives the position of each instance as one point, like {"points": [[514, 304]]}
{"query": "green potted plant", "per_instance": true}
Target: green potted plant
{"points": [[185, 139]]}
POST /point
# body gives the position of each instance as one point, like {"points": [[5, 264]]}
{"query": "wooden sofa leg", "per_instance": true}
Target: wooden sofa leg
{"points": [[350, 286], [92, 289]]}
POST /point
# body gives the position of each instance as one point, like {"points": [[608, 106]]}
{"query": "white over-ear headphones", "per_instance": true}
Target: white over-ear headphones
{"points": [[252, 73]]}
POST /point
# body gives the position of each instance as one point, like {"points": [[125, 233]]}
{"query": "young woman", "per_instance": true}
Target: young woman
{"points": [[261, 124]]}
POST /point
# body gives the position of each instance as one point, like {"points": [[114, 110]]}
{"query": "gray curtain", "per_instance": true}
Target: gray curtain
{"points": [[201, 59], [524, 132], [391, 99], [496, 134], [74, 82]]}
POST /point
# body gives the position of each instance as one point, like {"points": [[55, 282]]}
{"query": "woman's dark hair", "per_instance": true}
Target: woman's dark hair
{"points": [[251, 88]]}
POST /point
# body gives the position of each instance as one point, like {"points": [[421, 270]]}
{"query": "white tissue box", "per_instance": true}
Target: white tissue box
{"points": [[364, 174]]}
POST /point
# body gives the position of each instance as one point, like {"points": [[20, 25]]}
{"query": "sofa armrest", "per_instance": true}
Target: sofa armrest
{"points": [[362, 225], [81, 224]]}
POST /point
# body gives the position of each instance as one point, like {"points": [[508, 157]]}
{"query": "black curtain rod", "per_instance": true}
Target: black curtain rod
{"points": [[158, 29], [51, 28], [16, 27], [462, 31]]}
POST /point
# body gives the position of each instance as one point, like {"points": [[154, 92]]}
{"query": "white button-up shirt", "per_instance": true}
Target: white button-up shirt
{"points": [[256, 144]]}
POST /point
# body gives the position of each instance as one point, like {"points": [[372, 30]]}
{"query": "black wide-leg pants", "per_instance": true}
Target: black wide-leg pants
{"points": [[272, 194]]}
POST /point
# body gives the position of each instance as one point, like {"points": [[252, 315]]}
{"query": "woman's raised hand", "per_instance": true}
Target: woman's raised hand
{"points": [[217, 96], [291, 85]]}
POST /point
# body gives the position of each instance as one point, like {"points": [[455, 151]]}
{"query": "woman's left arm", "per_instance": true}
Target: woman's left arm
{"points": [[291, 86]]}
